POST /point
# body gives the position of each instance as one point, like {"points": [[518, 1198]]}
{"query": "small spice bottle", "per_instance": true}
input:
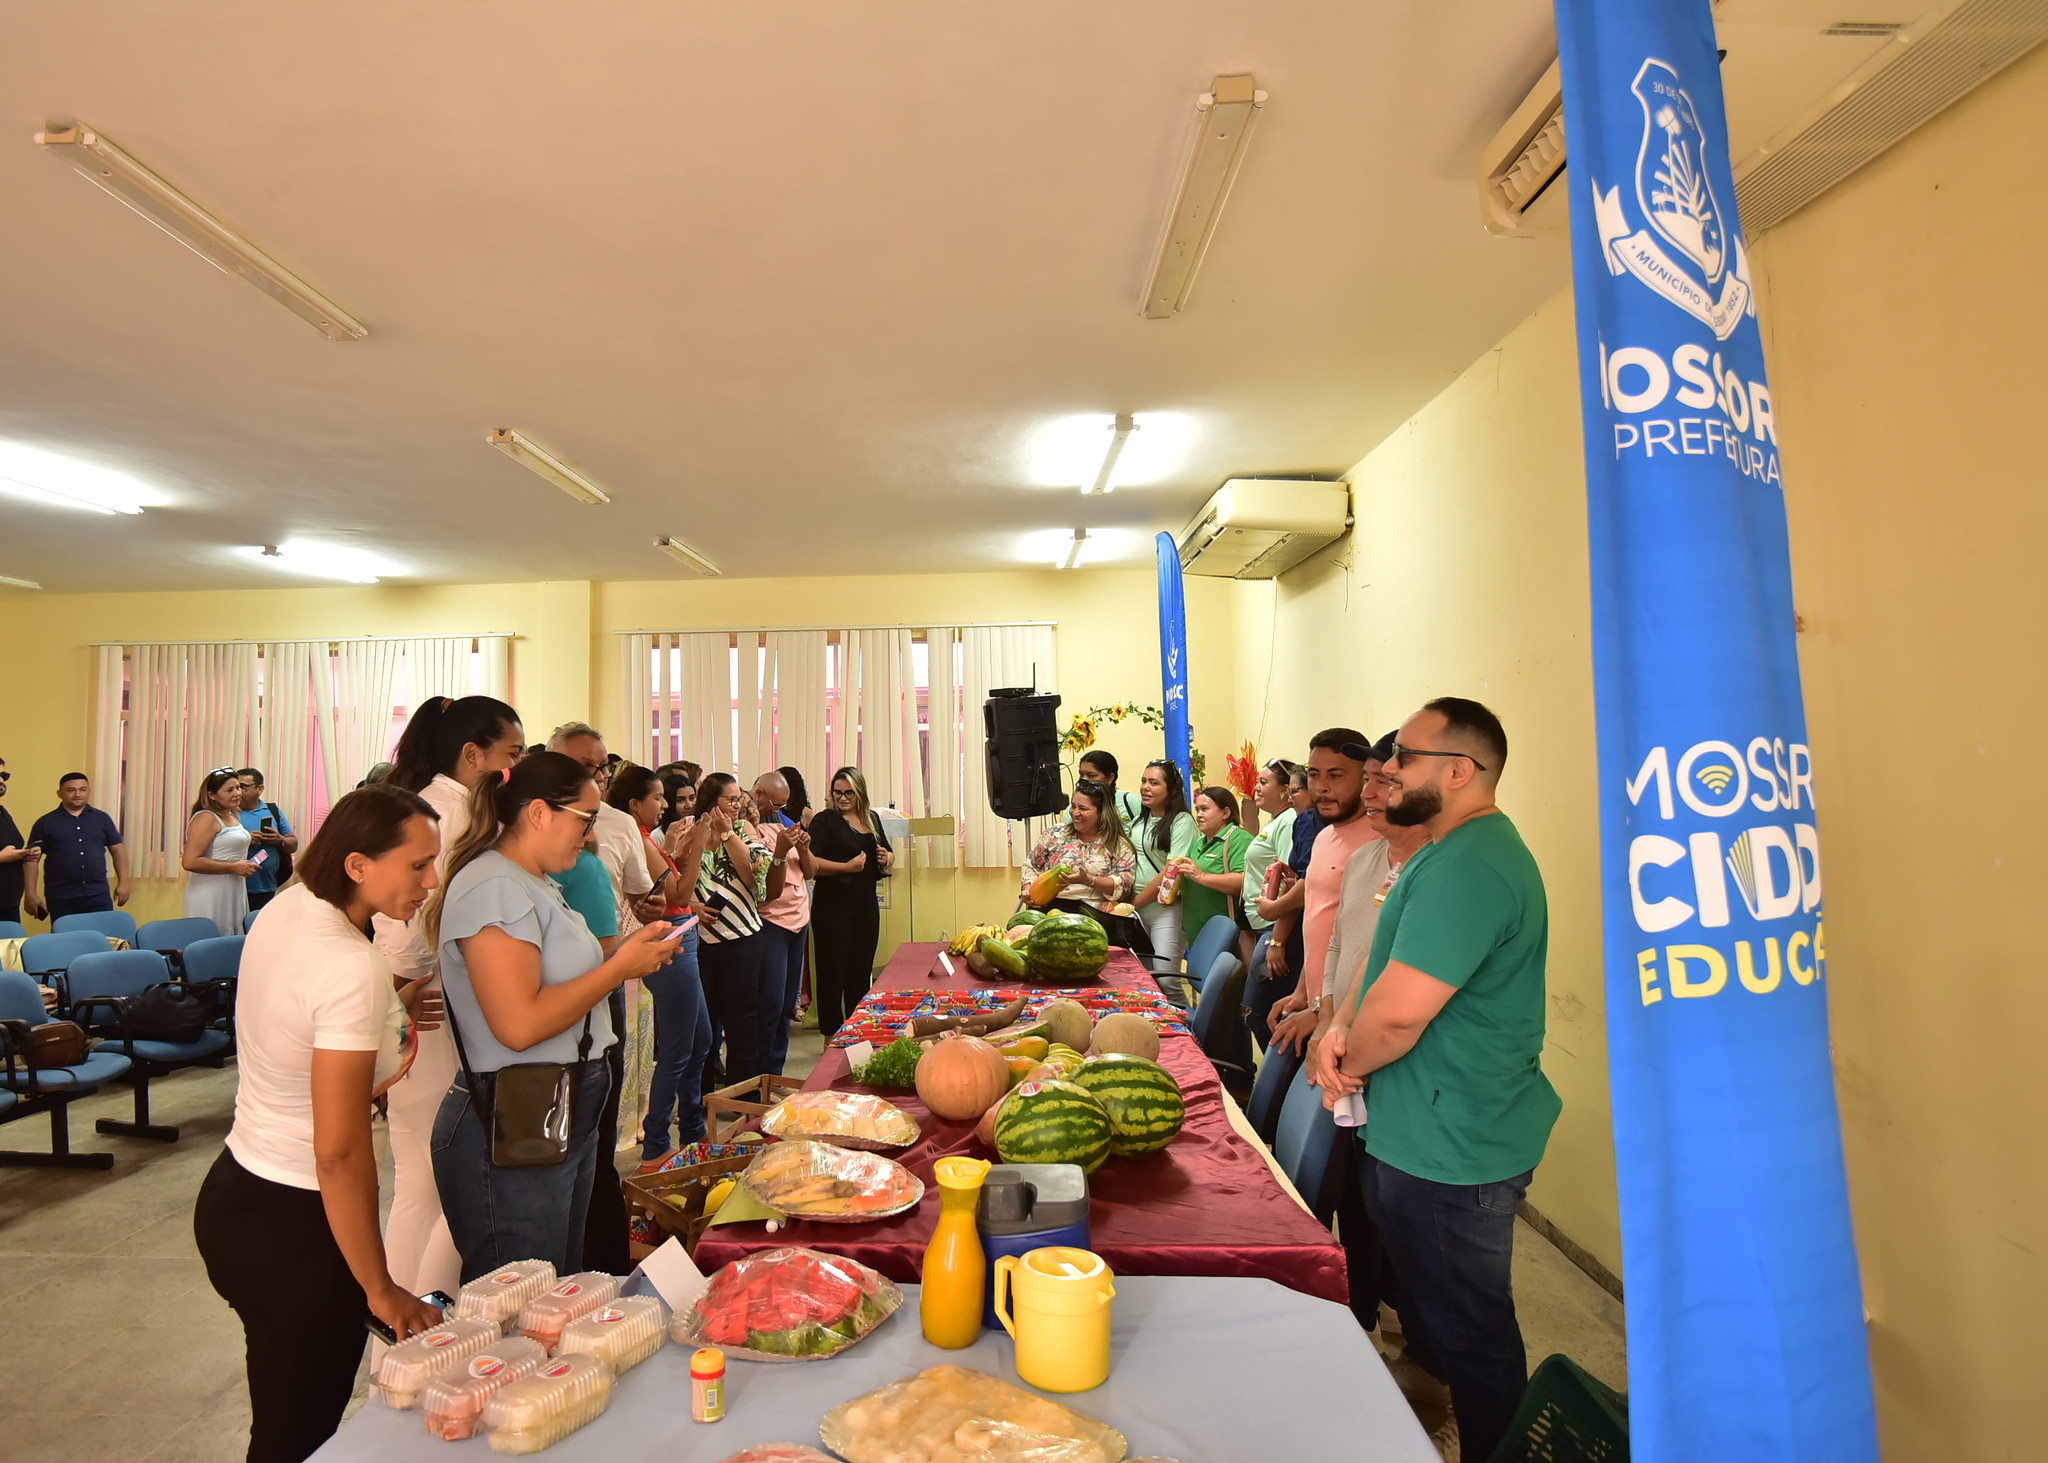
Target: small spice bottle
{"points": [[707, 1384]]}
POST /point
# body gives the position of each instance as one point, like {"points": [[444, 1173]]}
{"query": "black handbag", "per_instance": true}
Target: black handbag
{"points": [[527, 1106], [166, 1013]]}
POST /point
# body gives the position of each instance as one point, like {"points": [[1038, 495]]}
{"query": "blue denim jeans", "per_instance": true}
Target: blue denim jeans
{"points": [[1453, 1246], [782, 981], [497, 1215], [731, 970], [682, 1040]]}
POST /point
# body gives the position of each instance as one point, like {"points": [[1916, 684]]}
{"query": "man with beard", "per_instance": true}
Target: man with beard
{"points": [[1337, 778], [1448, 1027]]}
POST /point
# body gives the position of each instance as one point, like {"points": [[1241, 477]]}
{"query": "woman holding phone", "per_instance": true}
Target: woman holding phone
{"points": [[287, 1218], [526, 983], [736, 874], [216, 853]]}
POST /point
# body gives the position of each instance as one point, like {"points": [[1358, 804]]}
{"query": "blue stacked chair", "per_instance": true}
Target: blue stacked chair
{"points": [[1218, 1026], [51, 1090], [13, 930], [101, 988], [1308, 1145], [1215, 937], [169, 937], [115, 924], [46, 956], [219, 958], [1276, 1075]]}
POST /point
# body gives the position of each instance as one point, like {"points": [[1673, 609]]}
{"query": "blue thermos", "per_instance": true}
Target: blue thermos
{"points": [[1027, 1206]]}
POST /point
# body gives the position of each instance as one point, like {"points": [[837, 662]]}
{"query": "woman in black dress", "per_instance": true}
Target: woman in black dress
{"points": [[852, 855]]}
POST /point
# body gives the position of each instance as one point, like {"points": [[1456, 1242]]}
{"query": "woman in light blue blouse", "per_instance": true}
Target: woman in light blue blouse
{"points": [[526, 982]]}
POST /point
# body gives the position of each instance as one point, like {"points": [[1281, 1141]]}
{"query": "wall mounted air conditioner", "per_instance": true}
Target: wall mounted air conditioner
{"points": [[1523, 190], [1259, 528]]}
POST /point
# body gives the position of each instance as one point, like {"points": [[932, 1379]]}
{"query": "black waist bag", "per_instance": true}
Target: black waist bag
{"points": [[526, 1106], [166, 1013]]}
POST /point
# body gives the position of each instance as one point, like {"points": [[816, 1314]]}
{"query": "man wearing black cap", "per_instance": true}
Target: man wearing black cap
{"points": [[1448, 1028]]}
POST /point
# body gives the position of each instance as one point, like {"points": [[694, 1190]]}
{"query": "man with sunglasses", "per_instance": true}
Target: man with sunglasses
{"points": [[1445, 1038], [17, 861]]}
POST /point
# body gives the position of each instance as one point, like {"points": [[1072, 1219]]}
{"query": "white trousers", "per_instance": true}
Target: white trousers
{"points": [[417, 1246], [1162, 925]]}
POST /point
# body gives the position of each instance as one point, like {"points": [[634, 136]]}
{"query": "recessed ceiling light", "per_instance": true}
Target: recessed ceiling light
{"points": [[531, 455], [51, 477], [1100, 453], [19, 583], [1224, 118], [321, 561], [99, 161], [682, 553]]}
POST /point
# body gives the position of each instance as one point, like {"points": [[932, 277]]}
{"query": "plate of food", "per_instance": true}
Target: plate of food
{"points": [[843, 1119], [948, 1414], [805, 1179]]}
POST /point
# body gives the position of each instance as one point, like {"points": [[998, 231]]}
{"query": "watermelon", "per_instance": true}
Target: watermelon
{"points": [[1053, 1122], [1026, 916], [1067, 947], [1143, 1101]]}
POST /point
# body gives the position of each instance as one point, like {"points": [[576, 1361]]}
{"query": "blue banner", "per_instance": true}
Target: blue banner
{"points": [[1745, 1321], [1173, 657]]}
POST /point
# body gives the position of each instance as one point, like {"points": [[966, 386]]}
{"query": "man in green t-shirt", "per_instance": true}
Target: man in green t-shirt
{"points": [[1445, 1041]]}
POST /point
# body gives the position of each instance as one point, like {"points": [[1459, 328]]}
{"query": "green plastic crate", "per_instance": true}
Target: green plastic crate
{"points": [[1566, 1416]]}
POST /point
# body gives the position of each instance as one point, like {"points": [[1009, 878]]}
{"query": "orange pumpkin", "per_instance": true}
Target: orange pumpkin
{"points": [[959, 1077]]}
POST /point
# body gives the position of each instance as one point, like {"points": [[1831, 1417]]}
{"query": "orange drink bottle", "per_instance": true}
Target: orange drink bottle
{"points": [[955, 1270]]}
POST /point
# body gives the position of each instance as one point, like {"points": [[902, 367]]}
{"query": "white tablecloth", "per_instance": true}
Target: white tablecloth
{"points": [[1204, 1370]]}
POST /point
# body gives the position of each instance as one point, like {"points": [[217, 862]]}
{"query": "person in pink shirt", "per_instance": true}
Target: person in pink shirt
{"points": [[785, 924], [1337, 780]]}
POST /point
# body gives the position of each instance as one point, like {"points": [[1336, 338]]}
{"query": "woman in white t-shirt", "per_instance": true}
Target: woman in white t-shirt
{"points": [[287, 1218]]}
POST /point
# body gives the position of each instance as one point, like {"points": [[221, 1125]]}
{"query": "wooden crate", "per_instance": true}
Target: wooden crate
{"points": [[739, 1108], [650, 1194]]}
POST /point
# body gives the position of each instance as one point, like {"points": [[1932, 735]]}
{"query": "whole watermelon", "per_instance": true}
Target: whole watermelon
{"points": [[1067, 947], [1143, 1101], [1025, 916], [1053, 1122]]}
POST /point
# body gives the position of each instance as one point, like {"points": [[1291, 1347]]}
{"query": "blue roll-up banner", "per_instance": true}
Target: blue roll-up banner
{"points": [[1745, 1320], [1173, 656]]}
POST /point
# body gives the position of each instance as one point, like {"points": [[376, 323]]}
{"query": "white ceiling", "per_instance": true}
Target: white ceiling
{"points": [[796, 283]]}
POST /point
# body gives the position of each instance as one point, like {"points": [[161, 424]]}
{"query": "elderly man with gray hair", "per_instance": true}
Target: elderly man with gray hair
{"points": [[785, 924]]}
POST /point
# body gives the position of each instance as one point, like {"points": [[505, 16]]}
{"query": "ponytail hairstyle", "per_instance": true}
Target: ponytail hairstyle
{"points": [[497, 803], [1223, 798], [433, 740], [629, 785], [1159, 827], [1113, 836]]}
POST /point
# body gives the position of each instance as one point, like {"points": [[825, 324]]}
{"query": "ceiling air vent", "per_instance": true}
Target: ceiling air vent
{"points": [[1864, 29], [1519, 171], [1923, 69]]}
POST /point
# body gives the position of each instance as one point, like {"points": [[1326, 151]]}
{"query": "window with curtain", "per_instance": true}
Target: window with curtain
{"points": [[314, 715], [898, 702]]}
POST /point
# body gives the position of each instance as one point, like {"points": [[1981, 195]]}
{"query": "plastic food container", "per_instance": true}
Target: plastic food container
{"points": [[843, 1119], [546, 1407], [453, 1403], [416, 1361], [547, 1313], [502, 1294], [623, 1332]]}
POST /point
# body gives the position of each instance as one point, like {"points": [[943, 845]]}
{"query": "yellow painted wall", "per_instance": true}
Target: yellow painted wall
{"points": [[1903, 316], [565, 661]]}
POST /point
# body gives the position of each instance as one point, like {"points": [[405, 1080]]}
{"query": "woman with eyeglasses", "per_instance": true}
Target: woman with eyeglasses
{"points": [[216, 853], [736, 875], [526, 983], [1163, 832], [1212, 874], [1091, 842], [852, 856]]}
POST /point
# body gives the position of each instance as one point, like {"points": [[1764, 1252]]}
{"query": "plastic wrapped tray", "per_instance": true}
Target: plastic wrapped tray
{"points": [[502, 1294], [623, 1333], [807, 1180], [453, 1403], [843, 1119], [787, 1304], [778, 1453], [948, 1414], [546, 1407], [417, 1360], [546, 1314]]}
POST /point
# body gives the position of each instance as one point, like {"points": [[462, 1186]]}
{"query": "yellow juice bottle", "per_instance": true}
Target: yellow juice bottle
{"points": [[955, 1270]]}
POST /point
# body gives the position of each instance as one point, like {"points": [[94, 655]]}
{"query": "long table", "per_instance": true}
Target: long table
{"points": [[1208, 1205], [1205, 1370]]}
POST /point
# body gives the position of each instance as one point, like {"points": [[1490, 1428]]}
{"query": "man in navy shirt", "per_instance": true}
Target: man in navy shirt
{"points": [[77, 839]]}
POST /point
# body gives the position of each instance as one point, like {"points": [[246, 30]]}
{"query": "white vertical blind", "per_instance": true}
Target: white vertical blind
{"points": [[285, 743], [943, 700], [799, 659], [637, 736], [365, 693], [995, 656], [109, 686]]}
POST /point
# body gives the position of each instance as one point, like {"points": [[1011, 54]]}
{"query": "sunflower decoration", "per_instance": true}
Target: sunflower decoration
{"points": [[1080, 735]]}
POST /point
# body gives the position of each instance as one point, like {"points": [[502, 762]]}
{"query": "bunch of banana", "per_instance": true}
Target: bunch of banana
{"points": [[970, 938]]}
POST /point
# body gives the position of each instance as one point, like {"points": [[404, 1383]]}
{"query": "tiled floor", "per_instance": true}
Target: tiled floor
{"points": [[114, 1348]]}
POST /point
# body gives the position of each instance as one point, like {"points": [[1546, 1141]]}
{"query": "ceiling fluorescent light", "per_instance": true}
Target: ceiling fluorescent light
{"points": [[1224, 115], [320, 561], [549, 466], [682, 553], [19, 583], [101, 162], [1074, 550], [1125, 425], [51, 477]]}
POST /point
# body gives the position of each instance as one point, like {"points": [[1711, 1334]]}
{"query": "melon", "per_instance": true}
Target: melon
{"points": [[1143, 1101], [1026, 916], [1053, 1122], [1067, 1023], [1127, 1032], [1067, 947]]}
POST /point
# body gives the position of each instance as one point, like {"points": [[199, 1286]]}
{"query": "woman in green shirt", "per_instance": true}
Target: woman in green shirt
{"points": [[1212, 875], [1163, 831]]}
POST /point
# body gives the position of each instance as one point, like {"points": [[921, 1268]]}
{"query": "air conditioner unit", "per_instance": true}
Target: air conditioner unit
{"points": [[1522, 182], [1259, 528]]}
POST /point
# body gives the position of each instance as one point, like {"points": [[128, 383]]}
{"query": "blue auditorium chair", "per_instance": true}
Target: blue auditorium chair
{"points": [[115, 924], [51, 1090], [101, 989], [1276, 1074]]}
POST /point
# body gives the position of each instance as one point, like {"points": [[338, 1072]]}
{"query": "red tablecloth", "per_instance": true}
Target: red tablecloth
{"points": [[1208, 1205]]}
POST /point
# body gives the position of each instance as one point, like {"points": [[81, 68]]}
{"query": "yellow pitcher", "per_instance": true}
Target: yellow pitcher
{"points": [[1055, 1302]]}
